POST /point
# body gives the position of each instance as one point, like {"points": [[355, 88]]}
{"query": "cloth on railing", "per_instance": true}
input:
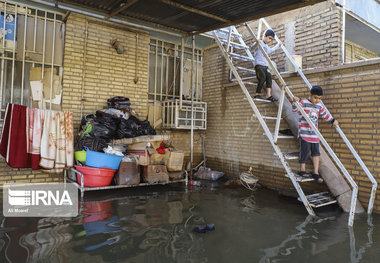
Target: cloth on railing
{"points": [[36, 138], [69, 137], [13, 137], [34, 123]]}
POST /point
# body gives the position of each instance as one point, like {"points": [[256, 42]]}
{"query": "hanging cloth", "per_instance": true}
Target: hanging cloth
{"points": [[60, 157], [49, 140], [13, 144], [34, 124], [69, 137]]}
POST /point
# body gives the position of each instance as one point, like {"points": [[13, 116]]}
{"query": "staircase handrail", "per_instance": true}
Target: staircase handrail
{"points": [[339, 130], [321, 138]]}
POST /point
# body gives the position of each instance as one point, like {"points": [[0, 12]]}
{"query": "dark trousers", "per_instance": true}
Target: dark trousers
{"points": [[263, 76]]}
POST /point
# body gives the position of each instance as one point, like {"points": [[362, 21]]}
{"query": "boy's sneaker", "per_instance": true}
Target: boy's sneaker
{"points": [[272, 99], [258, 97]]}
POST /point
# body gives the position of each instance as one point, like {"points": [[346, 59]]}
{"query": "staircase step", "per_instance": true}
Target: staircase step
{"points": [[234, 44], [267, 117], [246, 69], [241, 57], [245, 78], [262, 100], [320, 199], [289, 155], [301, 178], [227, 31], [247, 83], [281, 136]]}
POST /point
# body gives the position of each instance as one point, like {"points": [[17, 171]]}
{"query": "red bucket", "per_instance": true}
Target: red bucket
{"points": [[95, 177]]}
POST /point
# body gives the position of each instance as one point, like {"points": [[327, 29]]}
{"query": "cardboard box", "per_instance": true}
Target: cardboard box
{"points": [[140, 150], [155, 174], [129, 171], [157, 158], [175, 162], [176, 175]]}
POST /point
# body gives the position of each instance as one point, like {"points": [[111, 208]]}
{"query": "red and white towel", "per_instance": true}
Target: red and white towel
{"points": [[36, 138]]}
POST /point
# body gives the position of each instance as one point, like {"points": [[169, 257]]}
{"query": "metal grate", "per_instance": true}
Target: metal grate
{"points": [[176, 117], [29, 38]]}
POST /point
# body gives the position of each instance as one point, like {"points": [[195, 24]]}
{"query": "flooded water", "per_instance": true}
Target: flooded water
{"points": [[156, 224]]}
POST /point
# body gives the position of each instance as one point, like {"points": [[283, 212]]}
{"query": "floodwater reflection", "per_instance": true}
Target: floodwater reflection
{"points": [[156, 224]]}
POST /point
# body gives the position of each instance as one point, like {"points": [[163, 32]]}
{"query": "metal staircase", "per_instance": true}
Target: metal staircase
{"points": [[230, 42]]}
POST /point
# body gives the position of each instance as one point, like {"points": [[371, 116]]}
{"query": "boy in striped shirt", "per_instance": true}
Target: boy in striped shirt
{"points": [[309, 141]]}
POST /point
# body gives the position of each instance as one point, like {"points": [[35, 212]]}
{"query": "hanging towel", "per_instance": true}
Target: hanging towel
{"points": [[49, 141], [60, 157], [34, 124], [13, 143], [69, 136], [39, 118]]}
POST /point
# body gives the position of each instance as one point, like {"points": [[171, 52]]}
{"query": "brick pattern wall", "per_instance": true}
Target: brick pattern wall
{"points": [[316, 35], [355, 52], [352, 95], [106, 73], [318, 38], [235, 139], [100, 73]]}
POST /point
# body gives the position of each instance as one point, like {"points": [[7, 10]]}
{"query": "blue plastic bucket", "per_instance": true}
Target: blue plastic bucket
{"points": [[98, 160]]}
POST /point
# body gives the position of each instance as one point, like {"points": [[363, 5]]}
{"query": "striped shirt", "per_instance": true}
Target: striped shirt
{"points": [[313, 111]]}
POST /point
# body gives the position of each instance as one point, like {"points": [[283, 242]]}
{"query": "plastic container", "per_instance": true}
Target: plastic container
{"points": [[80, 156], [97, 160], [208, 174], [95, 177]]}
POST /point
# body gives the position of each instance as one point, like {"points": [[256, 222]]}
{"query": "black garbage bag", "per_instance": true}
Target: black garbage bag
{"points": [[146, 128], [93, 143], [128, 128], [105, 125], [87, 118]]}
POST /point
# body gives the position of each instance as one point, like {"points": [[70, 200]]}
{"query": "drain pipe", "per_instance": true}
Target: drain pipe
{"points": [[83, 69], [87, 13], [343, 30], [192, 107]]}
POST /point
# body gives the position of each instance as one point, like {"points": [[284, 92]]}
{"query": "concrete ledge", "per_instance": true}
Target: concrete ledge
{"points": [[369, 62]]}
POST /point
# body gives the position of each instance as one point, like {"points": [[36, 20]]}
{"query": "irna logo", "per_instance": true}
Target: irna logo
{"points": [[38, 197]]}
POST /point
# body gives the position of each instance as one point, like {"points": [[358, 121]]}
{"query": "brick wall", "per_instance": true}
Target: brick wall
{"points": [[235, 138], [352, 94], [355, 52], [313, 32], [106, 73], [93, 75]]}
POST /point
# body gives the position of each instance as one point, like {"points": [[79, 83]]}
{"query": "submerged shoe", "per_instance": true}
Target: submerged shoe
{"points": [[317, 178], [210, 227], [272, 99], [200, 229]]}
